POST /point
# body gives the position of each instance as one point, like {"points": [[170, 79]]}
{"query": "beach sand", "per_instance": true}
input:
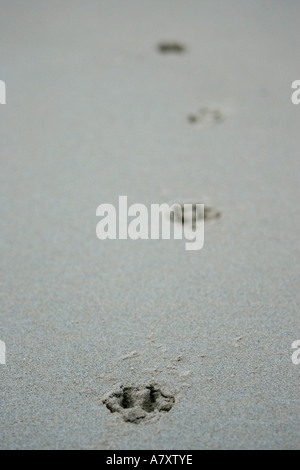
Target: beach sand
{"points": [[159, 101]]}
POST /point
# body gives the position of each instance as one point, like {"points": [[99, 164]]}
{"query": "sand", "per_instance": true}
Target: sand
{"points": [[159, 101]]}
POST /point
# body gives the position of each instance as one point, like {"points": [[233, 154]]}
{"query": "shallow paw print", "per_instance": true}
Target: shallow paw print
{"points": [[206, 117], [139, 403], [186, 213], [171, 47]]}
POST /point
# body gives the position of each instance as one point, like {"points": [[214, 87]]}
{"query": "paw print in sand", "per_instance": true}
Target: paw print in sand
{"points": [[139, 403]]}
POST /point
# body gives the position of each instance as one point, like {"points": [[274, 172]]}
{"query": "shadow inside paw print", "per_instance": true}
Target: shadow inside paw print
{"points": [[191, 213], [206, 117], [136, 404], [171, 48]]}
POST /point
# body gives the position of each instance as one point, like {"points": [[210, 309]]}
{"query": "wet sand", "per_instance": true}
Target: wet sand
{"points": [[159, 101]]}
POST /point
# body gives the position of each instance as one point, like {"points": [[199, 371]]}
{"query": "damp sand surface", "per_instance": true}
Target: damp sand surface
{"points": [[159, 101]]}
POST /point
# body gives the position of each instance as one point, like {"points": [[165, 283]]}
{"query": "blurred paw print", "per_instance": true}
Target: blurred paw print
{"points": [[206, 117]]}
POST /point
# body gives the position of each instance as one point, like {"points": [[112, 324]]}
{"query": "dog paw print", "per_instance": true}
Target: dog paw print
{"points": [[139, 403], [171, 47], [206, 117], [189, 213]]}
